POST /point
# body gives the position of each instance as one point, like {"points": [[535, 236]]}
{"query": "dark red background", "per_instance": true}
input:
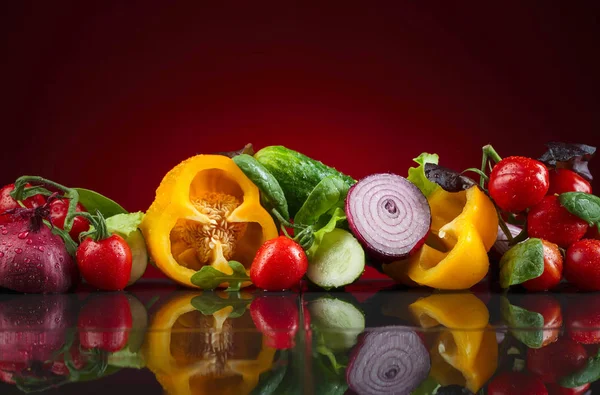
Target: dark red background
{"points": [[110, 96]]}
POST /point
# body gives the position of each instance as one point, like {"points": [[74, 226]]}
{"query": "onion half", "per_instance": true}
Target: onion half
{"points": [[389, 215]]}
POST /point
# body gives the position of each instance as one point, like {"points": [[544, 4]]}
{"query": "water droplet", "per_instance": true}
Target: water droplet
{"points": [[41, 248], [29, 242], [1, 254], [4, 231], [61, 259], [27, 260], [18, 250], [23, 235]]}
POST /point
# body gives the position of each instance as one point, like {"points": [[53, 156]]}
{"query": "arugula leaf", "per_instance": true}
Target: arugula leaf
{"points": [[124, 224], [524, 324], [338, 215], [522, 262], [583, 205], [209, 303], [210, 278], [331, 192], [93, 201], [416, 175]]}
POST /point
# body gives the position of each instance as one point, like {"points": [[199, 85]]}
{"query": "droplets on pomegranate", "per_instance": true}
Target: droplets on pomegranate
{"points": [[18, 250], [23, 235]]}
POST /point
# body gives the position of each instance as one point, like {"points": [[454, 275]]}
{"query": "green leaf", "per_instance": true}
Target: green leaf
{"points": [[522, 262], [337, 216], [124, 224], [209, 303], [331, 192], [416, 175], [93, 201], [588, 374], [70, 244], [270, 380], [583, 205], [323, 350], [526, 326], [209, 278]]}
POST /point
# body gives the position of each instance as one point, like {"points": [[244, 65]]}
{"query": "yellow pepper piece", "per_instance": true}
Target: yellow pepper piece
{"points": [[465, 352], [206, 212], [464, 226], [193, 354]]}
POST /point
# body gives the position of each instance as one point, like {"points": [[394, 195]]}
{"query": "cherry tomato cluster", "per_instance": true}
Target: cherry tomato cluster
{"points": [[527, 188]]}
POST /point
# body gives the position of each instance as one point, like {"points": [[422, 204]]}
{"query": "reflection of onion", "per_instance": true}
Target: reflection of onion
{"points": [[388, 361]]}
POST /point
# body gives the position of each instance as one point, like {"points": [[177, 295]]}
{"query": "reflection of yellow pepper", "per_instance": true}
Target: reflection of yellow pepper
{"points": [[206, 212], [194, 354], [465, 352], [463, 229]]}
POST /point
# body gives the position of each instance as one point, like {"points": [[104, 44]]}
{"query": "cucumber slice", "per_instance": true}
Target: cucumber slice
{"points": [[338, 323], [339, 260]]}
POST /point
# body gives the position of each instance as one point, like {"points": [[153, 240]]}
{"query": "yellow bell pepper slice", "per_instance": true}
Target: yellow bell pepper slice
{"points": [[206, 212], [464, 226]]}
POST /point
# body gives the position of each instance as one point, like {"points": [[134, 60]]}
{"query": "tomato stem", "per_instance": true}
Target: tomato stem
{"points": [[490, 152], [504, 228], [99, 231]]}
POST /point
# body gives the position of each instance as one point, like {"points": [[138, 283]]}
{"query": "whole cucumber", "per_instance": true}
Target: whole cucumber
{"points": [[296, 173]]}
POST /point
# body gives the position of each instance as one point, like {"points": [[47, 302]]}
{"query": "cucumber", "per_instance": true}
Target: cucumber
{"points": [[338, 323], [339, 260], [296, 173]]}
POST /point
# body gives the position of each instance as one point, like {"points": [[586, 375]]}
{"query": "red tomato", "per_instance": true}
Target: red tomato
{"points": [[582, 264], [516, 383], [556, 360], [583, 319], [105, 264], [517, 183], [277, 318], [555, 389], [593, 233], [550, 221], [104, 322], [565, 180], [8, 203], [550, 309], [279, 264], [553, 268], [58, 213]]}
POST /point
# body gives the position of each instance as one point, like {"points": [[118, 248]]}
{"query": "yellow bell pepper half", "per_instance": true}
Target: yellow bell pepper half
{"points": [[464, 226], [206, 212]]}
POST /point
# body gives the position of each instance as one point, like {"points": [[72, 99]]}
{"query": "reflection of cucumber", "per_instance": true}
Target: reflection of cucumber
{"points": [[338, 322], [339, 260]]}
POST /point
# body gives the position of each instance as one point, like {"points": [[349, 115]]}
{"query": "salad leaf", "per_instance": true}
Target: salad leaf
{"points": [[522, 262], [583, 205], [570, 156], [124, 224], [209, 303], [338, 216], [416, 175], [209, 278], [523, 324], [331, 192], [93, 201]]}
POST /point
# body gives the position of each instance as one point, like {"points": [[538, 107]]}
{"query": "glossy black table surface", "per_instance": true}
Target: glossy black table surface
{"points": [[373, 338]]}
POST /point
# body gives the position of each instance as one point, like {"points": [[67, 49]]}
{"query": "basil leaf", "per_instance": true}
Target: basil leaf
{"points": [[589, 374], [449, 180], [570, 156], [525, 325], [416, 175], [583, 205], [210, 278], [209, 303], [93, 201], [522, 262], [331, 192]]}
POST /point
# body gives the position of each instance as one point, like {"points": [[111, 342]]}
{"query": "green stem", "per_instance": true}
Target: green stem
{"points": [[504, 228], [490, 152], [100, 231]]}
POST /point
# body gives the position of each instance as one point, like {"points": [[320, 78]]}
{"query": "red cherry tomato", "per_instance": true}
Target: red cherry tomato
{"points": [[58, 213], [550, 221], [279, 264], [553, 268], [105, 264], [516, 383], [582, 264], [8, 203], [104, 322], [555, 389], [277, 318], [583, 319], [550, 309], [592, 233], [556, 360], [517, 183], [565, 180]]}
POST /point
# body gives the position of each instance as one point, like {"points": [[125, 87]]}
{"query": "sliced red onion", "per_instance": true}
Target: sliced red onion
{"points": [[389, 360], [501, 244], [389, 215]]}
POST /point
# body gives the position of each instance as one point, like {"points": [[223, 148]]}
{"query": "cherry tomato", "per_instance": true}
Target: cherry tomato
{"points": [[58, 213], [555, 389], [550, 309], [8, 203], [550, 221], [582, 264], [516, 383], [277, 318], [105, 264], [592, 233], [556, 360], [583, 319], [279, 264], [517, 183], [104, 322], [553, 268], [565, 180]]}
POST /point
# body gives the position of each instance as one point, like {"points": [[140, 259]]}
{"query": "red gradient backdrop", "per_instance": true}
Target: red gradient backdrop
{"points": [[110, 96]]}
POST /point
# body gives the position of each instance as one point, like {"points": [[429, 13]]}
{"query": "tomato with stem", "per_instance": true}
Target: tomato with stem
{"points": [[59, 209]]}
